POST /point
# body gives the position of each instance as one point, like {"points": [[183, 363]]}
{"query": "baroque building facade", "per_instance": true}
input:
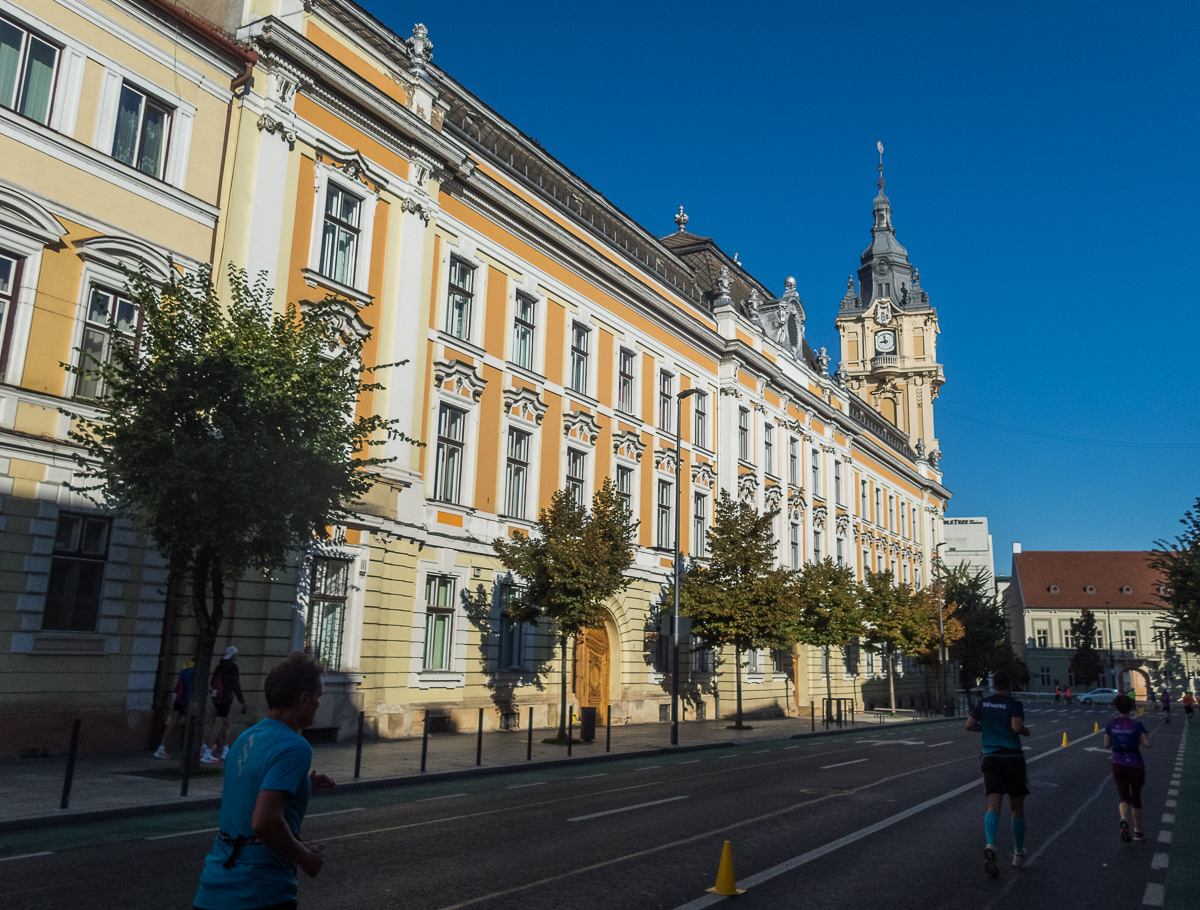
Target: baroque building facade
{"points": [[542, 336]]}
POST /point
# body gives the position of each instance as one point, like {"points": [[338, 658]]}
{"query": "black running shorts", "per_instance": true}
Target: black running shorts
{"points": [[222, 708], [1004, 774]]}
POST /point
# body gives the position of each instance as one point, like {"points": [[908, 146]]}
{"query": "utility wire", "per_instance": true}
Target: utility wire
{"points": [[1094, 442]]}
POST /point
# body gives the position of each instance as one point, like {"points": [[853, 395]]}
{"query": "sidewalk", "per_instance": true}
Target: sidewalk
{"points": [[1182, 883], [32, 788]]}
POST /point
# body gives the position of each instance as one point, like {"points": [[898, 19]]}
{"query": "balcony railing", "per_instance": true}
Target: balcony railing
{"points": [[884, 361]]}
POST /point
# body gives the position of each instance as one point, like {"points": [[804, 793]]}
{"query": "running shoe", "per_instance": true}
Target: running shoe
{"points": [[1019, 857], [161, 752], [1138, 836], [989, 861], [1125, 831], [224, 753]]}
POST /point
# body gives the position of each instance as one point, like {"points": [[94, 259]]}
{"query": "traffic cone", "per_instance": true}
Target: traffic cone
{"points": [[1097, 729], [726, 885], [1064, 745]]}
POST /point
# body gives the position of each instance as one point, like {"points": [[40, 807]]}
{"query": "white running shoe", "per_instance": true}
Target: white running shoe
{"points": [[225, 753], [161, 752], [209, 759], [1019, 858], [989, 861]]}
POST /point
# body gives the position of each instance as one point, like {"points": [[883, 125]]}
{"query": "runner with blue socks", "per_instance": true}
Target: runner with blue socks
{"points": [[1001, 718]]}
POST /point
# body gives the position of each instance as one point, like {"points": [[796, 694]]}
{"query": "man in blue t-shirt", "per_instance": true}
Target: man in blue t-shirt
{"points": [[253, 862], [1002, 720]]}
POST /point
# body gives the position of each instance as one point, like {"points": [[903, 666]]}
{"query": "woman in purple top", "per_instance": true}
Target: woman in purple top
{"points": [[1125, 736]]}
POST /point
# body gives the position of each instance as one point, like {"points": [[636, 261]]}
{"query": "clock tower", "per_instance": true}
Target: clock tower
{"points": [[888, 332]]}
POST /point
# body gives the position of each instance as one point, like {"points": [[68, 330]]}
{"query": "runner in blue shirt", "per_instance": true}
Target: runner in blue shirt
{"points": [[1002, 720], [253, 862], [1126, 737]]}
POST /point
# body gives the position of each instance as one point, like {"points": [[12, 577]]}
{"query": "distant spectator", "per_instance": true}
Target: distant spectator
{"points": [[225, 686], [183, 697]]}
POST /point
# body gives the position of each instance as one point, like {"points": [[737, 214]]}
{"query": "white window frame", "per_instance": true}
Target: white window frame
{"points": [[585, 482], [701, 418], [520, 297], [768, 443], [68, 76], [26, 229], [454, 677], [622, 351], [659, 482], [631, 466], [589, 356], [700, 522], [324, 175], [179, 132]]}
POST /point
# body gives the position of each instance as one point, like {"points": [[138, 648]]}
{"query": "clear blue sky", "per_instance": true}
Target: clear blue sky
{"points": [[1041, 161]]}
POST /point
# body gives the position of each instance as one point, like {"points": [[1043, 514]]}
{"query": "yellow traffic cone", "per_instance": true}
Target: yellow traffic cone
{"points": [[1097, 725], [726, 885], [1064, 745]]}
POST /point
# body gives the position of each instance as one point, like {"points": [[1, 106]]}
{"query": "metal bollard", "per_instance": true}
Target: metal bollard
{"points": [[425, 742], [529, 743], [608, 731], [66, 791], [479, 742], [812, 716], [187, 753], [570, 730], [358, 746]]}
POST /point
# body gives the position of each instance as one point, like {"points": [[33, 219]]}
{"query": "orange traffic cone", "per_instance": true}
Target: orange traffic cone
{"points": [[1064, 745], [1097, 730], [726, 885]]}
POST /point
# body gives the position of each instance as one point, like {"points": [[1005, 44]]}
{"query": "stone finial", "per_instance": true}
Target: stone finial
{"points": [[841, 376], [917, 275], [850, 283], [921, 449], [724, 282], [420, 50], [681, 220], [823, 361], [789, 283]]}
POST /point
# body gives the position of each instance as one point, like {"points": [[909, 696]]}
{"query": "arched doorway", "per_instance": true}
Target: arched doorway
{"points": [[591, 671], [1135, 677]]}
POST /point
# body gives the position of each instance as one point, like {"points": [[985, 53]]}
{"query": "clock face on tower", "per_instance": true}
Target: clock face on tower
{"points": [[885, 342]]}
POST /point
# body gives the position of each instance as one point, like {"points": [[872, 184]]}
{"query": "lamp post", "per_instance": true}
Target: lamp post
{"points": [[941, 598], [687, 393], [1112, 666]]}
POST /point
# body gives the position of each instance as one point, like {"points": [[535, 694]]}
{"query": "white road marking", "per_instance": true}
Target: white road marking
{"points": [[935, 745], [648, 768], [5, 859], [657, 802], [761, 752], [1172, 803], [1164, 837], [536, 783], [841, 763], [431, 798], [1155, 893], [692, 762], [785, 748], [333, 812], [1172, 793], [1168, 818], [1160, 861], [590, 776], [182, 833]]}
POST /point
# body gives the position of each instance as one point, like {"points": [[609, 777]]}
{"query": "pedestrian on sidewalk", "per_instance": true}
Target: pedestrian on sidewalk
{"points": [[226, 684], [1068, 695], [1188, 702], [252, 865], [1125, 736], [1166, 706], [1057, 693], [183, 695], [1001, 718]]}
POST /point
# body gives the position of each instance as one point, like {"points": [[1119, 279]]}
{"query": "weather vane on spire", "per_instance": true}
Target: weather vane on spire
{"points": [[879, 145]]}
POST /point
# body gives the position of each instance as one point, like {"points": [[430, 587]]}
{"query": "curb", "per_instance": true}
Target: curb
{"points": [[381, 783]]}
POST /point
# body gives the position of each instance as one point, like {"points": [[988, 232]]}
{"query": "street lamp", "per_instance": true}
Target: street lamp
{"points": [[687, 393], [941, 597]]}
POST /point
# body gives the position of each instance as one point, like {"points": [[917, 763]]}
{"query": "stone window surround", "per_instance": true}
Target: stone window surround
{"points": [[455, 677]]}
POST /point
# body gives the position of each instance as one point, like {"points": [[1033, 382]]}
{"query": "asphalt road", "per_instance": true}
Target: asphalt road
{"points": [[892, 818]]}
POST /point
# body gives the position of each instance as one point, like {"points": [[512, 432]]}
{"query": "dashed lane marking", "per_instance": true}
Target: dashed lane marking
{"points": [[536, 783], [432, 798], [1160, 861], [657, 802], [332, 812], [1154, 896], [648, 768], [590, 776], [1168, 818], [935, 745], [5, 859], [1164, 837], [183, 833], [843, 763]]}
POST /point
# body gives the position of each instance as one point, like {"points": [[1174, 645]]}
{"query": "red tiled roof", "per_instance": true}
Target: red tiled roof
{"points": [[1108, 571]]}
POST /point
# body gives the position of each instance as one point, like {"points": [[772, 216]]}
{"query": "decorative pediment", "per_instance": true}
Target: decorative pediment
{"points": [[352, 164], [730, 390], [664, 460], [126, 254], [524, 404], [459, 377], [20, 213], [857, 531], [782, 320], [797, 503], [703, 474], [628, 444], [819, 515], [773, 496], [747, 486], [842, 523], [341, 316], [582, 426]]}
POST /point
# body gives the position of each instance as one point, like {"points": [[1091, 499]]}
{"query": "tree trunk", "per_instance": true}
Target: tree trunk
{"points": [[562, 712], [891, 678], [206, 571], [737, 653], [828, 684]]}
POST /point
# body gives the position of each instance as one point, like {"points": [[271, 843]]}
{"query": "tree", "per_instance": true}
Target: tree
{"points": [[230, 432], [984, 647], [829, 613], [739, 598], [897, 618], [572, 567], [1086, 664], [1179, 565]]}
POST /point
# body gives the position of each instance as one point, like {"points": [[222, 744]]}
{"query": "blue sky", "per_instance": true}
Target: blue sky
{"points": [[1041, 162]]}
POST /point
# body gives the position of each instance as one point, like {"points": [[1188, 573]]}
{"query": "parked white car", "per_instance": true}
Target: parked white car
{"points": [[1098, 697]]}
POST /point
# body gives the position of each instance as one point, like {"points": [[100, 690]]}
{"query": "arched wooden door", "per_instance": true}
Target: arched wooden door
{"points": [[591, 671]]}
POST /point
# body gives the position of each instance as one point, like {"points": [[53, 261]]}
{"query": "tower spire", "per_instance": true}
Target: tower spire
{"points": [[879, 145]]}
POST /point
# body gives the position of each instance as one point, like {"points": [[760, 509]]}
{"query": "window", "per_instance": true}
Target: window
{"points": [[753, 661], [327, 611], [625, 487], [664, 528], [794, 544], [580, 339], [76, 573], [27, 65], [699, 523], [915, 524], [666, 396], [768, 448], [816, 473], [743, 434], [1069, 638], [816, 546], [458, 304], [1045, 676], [779, 659], [447, 475], [837, 482], [700, 417], [625, 368], [700, 660], [99, 337], [878, 519], [891, 525], [577, 475], [917, 577], [869, 663], [862, 495], [793, 461], [516, 475], [511, 631], [523, 329], [439, 621], [1131, 639], [141, 137], [10, 284], [841, 557]]}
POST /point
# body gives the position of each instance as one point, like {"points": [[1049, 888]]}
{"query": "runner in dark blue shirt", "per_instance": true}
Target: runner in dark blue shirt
{"points": [[1002, 720]]}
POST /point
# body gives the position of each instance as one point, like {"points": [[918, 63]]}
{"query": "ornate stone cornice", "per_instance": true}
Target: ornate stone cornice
{"points": [[268, 124], [628, 444], [457, 376], [525, 404], [703, 474], [842, 523], [583, 425], [819, 515], [424, 209], [797, 503], [747, 486], [773, 496]]}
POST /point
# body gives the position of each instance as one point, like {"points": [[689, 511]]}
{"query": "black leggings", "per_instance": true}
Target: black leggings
{"points": [[1129, 784]]}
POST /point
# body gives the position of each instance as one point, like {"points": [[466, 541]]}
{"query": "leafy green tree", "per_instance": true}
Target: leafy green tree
{"points": [[739, 598], [897, 618], [571, 568], [229, 431], [1178, 562], [984, 647], [1086, 663], [829, 613]]}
